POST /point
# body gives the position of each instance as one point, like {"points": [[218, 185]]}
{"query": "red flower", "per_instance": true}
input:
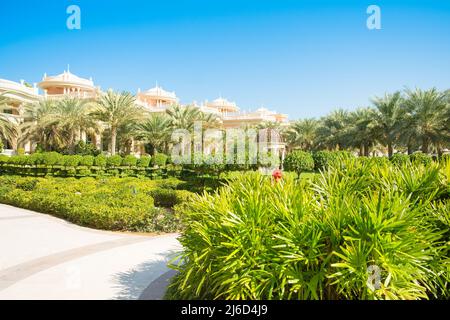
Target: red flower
{"points": [[277, 175]]}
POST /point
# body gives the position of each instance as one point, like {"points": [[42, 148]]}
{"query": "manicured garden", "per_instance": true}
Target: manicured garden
{"points": [[316, 238]]}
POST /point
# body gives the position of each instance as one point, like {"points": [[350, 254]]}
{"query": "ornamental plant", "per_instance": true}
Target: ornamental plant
{"points": [[299, 161], [320, 238]]}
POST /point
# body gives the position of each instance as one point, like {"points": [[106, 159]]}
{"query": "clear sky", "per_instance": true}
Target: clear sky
{"points": [[303, 58]]}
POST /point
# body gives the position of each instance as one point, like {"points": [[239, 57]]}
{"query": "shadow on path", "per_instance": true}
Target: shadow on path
{"points": [[132, 283]]}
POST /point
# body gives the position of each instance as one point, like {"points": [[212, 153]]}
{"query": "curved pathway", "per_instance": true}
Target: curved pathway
{"points": [[43, 257]]}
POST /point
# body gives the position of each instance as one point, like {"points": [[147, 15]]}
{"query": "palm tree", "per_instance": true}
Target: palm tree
{"points": [[116, 110], [361, 132], [156, 131], [184, 117], [429, 117], [6, 129], [387, 119], [302, 134], [331, 131]]}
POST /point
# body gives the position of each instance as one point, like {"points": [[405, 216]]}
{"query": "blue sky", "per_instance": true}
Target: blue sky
{"points": [[303, 58]]}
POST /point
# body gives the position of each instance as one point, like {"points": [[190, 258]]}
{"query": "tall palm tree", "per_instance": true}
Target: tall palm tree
{"points": [[331, 131], [72, 116], [184, 117], [429, 122], [6, 129], [156, 131], [302, 134], [361, 132], [116, 110], [387, 118]]}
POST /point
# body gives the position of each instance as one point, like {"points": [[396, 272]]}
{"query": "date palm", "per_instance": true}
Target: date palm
{"points": [[6, 129], [429, 117], [302, 134], [156, 131], [117, 110], [388, 118], [361, 132], [331, 131]]}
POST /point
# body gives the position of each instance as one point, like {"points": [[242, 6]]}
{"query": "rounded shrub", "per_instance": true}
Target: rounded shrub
{"points": [[422, 158], [159, 159], [51, 158], [399, 159], [100, 160], [299, 161], [144, 161], [114, 161], [87, 161], [129, 161]]}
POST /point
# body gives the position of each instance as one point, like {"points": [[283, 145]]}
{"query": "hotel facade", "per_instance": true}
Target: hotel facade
{"points": [[154, 100]]}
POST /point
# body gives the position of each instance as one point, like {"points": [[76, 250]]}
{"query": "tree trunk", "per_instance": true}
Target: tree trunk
{"points": [[361, 150], [425, 145], [113, 140], [390, 149], [409, 149], [366, 150]]}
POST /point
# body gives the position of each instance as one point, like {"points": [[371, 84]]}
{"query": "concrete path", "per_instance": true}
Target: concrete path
{"points": [[43, 257]]}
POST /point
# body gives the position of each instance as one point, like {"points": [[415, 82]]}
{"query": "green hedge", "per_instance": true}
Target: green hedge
{"points": [[107, 203], [55, 164]]}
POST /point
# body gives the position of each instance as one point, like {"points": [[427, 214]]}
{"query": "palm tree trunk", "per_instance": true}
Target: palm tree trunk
{"points": [[425, 145], [113, 140], [390, 149], [361, 150]]}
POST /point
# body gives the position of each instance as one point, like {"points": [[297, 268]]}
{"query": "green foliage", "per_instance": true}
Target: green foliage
{"points": [[168, 198], [316, 238], [129, 161], [111, 204], [87, 161], [299, 161], [399, 159], [159, 159], [100, 160], [144, 161], [86, 149], [1, 146], [114, 161], [422, 158]]}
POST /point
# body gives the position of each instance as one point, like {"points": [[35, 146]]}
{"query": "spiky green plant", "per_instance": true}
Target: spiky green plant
{"points": [[316, 238]]}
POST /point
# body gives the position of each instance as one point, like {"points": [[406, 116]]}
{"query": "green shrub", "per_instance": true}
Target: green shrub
{"points": [[316, 239], [399, 159], [87, 161], [129, 161], [419, 157], [107, 203], [144, 161], [72, 160], [159, 159], [50, 158], [114, 161], [3, 159], [299, 161], [100, 160], [168, 198], [1, 146]]}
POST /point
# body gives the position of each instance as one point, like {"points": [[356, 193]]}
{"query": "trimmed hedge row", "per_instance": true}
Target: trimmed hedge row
{"points": [[131, 204], [55, 164]]}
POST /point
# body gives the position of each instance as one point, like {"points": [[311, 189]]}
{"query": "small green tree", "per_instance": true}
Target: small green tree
{"points": [[299, 161]]}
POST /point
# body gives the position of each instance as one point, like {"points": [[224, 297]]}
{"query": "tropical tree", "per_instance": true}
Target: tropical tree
{"points": [[361, 132], [387, 119], [117, 110], [331, 131], [183, 117], [156, 131], [6, 129], [302, 134], [429, 117]]}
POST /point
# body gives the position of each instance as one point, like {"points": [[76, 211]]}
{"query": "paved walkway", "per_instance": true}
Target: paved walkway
{"points": [[42, 257]]}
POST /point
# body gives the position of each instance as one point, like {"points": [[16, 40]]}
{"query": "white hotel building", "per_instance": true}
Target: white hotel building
{"points": [[153, 100]]}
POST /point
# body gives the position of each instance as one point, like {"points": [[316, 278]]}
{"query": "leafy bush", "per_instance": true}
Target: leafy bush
{"points": [[129, 161], [159, 159], [114, 161], [1, 146], [168, 198], [87, 161], [144, 161], [299, 161], [107, 203], [100, 160], [399, 159], [51, 158], [316, 239], [422, 158]]}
